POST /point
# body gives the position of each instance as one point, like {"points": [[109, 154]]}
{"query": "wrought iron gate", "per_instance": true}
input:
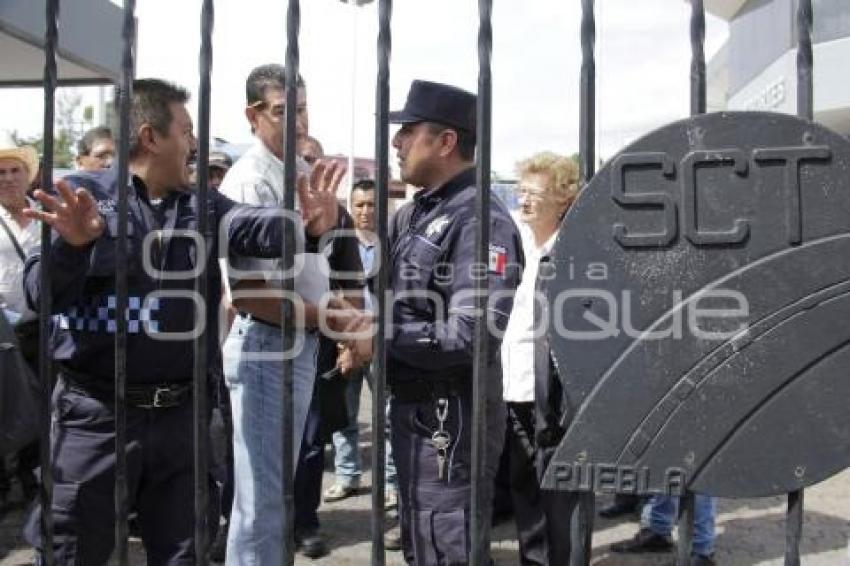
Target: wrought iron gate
{"points": [[593, 456], [730, 209]]}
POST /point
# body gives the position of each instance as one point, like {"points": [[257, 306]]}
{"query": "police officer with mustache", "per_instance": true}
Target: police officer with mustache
{"points": [[430, 347]]}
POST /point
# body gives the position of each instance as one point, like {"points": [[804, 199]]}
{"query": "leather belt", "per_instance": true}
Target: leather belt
{"points": [[161, 396], [253, 318], [153, 396]]}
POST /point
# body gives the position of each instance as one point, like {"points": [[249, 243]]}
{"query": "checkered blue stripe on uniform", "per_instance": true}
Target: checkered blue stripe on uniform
{"points": [[99, 316]]}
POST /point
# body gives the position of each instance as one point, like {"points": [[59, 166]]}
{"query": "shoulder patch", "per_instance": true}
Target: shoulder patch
{"points": [[436, 227], [106, 206], [498, 259]]}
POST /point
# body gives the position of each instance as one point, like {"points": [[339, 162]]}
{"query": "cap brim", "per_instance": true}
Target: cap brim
{"points": [[402, 117]]}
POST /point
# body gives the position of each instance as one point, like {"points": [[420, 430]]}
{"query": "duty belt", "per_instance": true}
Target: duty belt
{"points": [[153, 396], [424, 390]]}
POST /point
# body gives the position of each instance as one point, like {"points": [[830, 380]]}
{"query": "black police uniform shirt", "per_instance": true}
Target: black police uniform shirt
{"points": [[162, 299], [433, 272]]}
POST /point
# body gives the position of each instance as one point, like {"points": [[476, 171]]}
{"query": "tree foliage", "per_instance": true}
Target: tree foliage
{"points": [[67, 131]]}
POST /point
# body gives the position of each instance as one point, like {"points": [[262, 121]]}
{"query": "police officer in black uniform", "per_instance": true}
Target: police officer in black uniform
{"points": [[430, 347], [84, 217]]}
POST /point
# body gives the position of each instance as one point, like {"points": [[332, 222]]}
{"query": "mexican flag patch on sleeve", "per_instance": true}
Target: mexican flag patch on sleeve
{"points": [[498, 259]]}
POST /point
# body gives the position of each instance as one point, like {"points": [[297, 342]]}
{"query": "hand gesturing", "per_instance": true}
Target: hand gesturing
{"points": [[317, 196], [354, 331], [75, 215]]}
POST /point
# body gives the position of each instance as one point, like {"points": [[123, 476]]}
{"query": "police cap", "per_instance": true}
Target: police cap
{"points": [[436, 102]]}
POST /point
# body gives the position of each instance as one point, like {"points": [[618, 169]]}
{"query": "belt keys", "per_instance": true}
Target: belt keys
{"points": [[441, 440]]}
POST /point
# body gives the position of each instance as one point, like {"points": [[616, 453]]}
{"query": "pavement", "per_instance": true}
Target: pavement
{"points": [[749, 531]]}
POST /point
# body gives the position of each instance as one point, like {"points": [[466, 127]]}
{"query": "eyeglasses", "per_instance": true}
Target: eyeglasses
{"points": [[531, 192], [277, 112], [103, 155]]}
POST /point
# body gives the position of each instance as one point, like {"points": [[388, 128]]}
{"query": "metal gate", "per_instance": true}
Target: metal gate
{"points": [[124, 90], [653, 229], [714, 334]]}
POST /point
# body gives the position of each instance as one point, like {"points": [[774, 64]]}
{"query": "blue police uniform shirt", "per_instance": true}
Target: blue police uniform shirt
{"points": [[162, 299], [432, 277]]}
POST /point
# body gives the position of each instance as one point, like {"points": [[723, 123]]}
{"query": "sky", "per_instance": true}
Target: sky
{"points": [[642, 64]]}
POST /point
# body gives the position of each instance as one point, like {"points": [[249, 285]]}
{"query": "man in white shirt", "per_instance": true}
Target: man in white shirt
{"points": [[18, 234], [252, 352], [18, 237], [548, 184]]}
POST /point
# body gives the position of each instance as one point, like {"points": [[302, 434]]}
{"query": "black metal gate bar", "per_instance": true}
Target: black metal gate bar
{"points": [[379, 359], [293, 23], [698, 106], [794, 528], [45, 360], [581, 531], [121, 286], [805, 60], [587, 101], [805, 109], [687, 504], [698, 83], [201, 428], [479, 523]]}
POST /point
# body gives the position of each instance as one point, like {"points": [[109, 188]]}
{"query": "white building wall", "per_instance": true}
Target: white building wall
{"points": [[775, 88]]}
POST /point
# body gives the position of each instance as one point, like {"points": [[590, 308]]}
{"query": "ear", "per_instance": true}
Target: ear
{"points": [[448, 142], [251, 115], [148, 138]]}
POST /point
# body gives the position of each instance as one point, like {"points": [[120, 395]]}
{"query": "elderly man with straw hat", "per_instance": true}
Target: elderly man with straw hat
{"points": [[18, 236]]}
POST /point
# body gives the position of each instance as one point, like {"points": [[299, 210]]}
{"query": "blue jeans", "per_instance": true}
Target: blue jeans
{"points": [[346, 442], [256, 519], [660, 512]]}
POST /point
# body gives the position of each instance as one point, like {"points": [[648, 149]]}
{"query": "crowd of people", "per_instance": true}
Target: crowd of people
{"points": [[432, 275]]}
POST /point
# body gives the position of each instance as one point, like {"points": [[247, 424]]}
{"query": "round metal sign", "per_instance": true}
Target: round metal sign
{"points": [[699, 312]]}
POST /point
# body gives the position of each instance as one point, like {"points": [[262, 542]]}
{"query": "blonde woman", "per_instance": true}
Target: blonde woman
{"points": [[548, 185]]}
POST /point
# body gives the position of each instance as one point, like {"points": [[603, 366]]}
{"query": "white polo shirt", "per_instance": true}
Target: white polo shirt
{"points": [[12, 267], [257, 179], [518, 343]]}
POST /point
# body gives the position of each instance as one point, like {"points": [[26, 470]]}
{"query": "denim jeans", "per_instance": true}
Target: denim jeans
{"points": [[661, 511], [255, 395], [346, 442]]}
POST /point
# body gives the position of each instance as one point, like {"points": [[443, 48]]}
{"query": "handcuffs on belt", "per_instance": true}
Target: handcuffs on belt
{"points": [[441, 440]]}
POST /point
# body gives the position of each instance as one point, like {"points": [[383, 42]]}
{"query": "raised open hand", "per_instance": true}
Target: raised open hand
{"points": [[317, 196], [74, 214]]}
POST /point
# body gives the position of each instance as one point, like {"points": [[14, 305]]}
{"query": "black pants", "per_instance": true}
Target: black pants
{"points": [[221, 466], [525, 488], [28, 457], [309, 469], [565, 518], [159, 480], [434, 512], [5, 482]]}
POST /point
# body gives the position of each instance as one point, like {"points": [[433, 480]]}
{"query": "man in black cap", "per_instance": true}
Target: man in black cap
{"points": [[430, 347], [218, 165]]}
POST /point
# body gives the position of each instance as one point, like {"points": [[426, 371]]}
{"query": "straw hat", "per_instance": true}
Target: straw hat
{"points": [[25, 154]]}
